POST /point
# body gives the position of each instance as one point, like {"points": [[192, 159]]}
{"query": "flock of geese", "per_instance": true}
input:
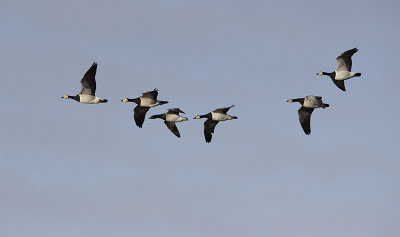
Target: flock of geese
{"points": [[172, 116], [310, 102], [145, 102]]}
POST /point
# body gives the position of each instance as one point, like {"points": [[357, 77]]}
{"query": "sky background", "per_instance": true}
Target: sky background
{"points": [[71, 169]]}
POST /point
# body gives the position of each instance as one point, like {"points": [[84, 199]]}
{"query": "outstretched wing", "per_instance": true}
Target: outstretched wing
{"points": [[88, 82], [209, 126], [172, 127], [151, 94], [304, 118], [139, 113], [175, 111], [223, 110], [339, 84], [344, 60]]}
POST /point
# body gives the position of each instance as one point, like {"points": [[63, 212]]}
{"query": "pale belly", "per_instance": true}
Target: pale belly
{"points": [[87, 99], [344, 75], [310, 103], [175, 118], [220, 117], [147, 102]]}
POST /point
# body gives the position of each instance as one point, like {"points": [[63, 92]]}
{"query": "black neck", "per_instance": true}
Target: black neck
{"points": [[206, 115], [136, 100], [300, 100], [74, 97], [330, 74], [161, 116]]}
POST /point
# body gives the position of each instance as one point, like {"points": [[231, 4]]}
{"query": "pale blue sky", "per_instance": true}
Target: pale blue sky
{"points": [[70, 169]]}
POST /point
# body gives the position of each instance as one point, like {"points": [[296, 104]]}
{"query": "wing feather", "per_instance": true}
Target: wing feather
{"points": [[209, 127], [339, 84], [223, 110], [139, 113], [344, 60], [88, 82], [151, 94], [304, 118], [172, 127]]}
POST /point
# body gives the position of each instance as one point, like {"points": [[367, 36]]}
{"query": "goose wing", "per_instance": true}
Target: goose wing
{"points": [[172, 127], [223, 110], [304, 118], [88, 82], [339, 84], [151, 94], [139, 114], [344, 60], [175, 111], [209, 126]]}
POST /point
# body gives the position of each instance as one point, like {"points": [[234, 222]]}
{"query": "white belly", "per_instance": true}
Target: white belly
{"points": [[310, 102], [88, 99], [344, 75], [147, 102], [174, 118], [220, 117]]}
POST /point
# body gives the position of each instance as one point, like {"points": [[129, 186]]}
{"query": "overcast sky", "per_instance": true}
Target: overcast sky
{"points": [[71, 169]]}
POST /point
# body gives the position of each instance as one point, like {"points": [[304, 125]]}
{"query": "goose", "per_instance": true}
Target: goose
{"points": [[309, 103], [212, 120], [88, 83], [144, 103], [170, 118], [343, 70]]}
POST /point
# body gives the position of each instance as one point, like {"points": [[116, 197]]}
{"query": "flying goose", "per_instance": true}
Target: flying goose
{"points": [[88, 83], [343, 70], [309, 103], [212, 120], [144, 103], [170, 118]]}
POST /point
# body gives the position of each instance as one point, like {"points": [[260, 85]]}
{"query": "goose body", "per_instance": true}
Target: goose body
{"points": [[218, 116], [309, 103], [212, 120], [170, 118], [343, 70], [88, 84], [144, 103]]}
